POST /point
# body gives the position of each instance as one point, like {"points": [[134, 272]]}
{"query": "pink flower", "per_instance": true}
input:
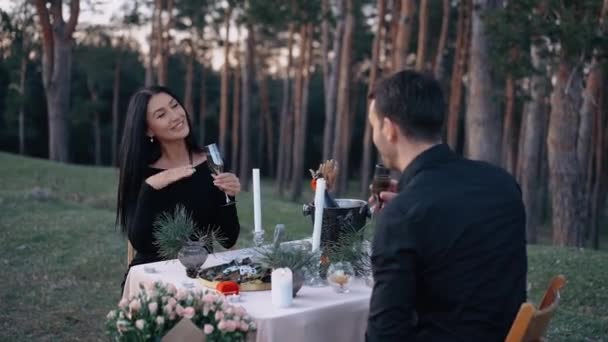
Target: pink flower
{"points": [[209, 298], [244, 326], [219, 315], [164, 299], [179, 310], [206, 309], [153, 307], [229, 311], [231, 326], [149, 285], [140, 324], [171, 288], [172, 302], [189, 312], [135, 305], [208, 329], [160, 320], [123, 303], [222, 325], [181, 294], [240, 311]]}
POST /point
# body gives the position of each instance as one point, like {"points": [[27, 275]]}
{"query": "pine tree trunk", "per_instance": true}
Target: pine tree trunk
{"points": [[268, 131], [202, 109], [599, 149], [235, 144], [332, 84], [458, 71], [344, 95], [245, 169], [392, 31], [223, 134], [115, 114], [57, 71], [565, 172], [483, 119], [422, 34], [301, 122], [283, 159], [404, 34], [163, 38], [532, 145], [96, 122], [366, 165], [188, 87], [149, 80], [509, 152], [445, 24], [22, 77]]}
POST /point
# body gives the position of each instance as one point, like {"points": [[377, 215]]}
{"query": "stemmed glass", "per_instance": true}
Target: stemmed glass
{"points": [[216, 164]]}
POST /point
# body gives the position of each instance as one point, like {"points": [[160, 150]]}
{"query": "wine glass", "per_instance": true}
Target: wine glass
{"points": [[381, 182], [216, 163], [340, 276]]}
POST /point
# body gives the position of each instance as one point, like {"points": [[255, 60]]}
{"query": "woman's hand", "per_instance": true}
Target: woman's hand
{"points": [[228, 183], [164, 178]]}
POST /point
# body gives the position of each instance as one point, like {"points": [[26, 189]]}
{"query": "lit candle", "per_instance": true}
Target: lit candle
{"points": [[282, 287], [319, 206], [257, 201]]}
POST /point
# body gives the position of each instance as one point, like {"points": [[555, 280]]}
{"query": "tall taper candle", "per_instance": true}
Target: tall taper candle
{"points": [[257, 202], [319, 206]]}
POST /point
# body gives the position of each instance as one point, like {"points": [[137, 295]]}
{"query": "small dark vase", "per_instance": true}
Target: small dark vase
{"points": [[193, 255]]}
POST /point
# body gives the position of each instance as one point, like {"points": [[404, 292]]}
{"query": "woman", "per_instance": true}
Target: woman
{"points": [[162, 166]]}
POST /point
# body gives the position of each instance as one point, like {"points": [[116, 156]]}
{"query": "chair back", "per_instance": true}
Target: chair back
{"points": [[530, 324]]}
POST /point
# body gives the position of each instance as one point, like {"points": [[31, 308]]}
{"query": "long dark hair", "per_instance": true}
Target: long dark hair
{"points": [[137, 151]]}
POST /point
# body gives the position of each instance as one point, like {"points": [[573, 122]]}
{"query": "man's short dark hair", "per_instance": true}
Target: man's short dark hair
{"points": [[414, 101]]}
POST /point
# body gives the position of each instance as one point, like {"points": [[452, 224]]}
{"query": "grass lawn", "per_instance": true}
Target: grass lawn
{"points": [[62, 260]]}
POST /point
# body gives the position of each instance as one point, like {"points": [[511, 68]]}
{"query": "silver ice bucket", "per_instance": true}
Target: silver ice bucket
{"points": [[351, 214]]}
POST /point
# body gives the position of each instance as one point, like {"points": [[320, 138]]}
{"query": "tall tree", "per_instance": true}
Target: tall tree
{"points": [[301, 110], [344, 87], [164, 25], [459, 67], [443, 38], [531, 143], [223, 134], [202, 111], [373, 75], [404, 34], [331, 71], [285, 124], [56, 70], [248, 78], [423, 27], [236, 110], [483, 119]]}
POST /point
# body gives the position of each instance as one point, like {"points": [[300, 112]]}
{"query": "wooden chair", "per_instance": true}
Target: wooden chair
{"points": [[130, 253], [531, 324]]}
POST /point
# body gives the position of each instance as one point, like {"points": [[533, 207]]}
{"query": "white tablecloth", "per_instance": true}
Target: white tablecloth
{"points": [[317, 314]]}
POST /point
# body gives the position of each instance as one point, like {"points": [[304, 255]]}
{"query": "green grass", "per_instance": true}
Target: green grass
{"points": [[62, 261]]}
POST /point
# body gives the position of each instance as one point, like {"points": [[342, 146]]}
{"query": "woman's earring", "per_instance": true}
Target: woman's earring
{"points": [[151, 139]]}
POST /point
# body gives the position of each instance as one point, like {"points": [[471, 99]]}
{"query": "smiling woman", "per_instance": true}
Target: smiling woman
{"points": [[161, 167]]}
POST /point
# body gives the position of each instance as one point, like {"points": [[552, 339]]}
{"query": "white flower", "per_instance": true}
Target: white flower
{"points": [[111, 315], [160, 320], [140, 324]]}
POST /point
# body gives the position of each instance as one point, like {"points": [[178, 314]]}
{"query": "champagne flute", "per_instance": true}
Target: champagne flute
{"points": [[216, 163]]}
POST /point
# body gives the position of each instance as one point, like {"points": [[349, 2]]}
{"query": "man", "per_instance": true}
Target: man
{"points": [[449, 252]]}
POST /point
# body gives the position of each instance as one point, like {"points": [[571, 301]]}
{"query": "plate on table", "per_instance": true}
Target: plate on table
{"points": [[250, 276]]}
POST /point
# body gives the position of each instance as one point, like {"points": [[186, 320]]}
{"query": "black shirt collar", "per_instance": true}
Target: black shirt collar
{"points": [[434, 154]]}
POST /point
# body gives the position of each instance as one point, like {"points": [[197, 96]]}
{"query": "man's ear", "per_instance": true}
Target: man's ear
{"points": [[390, 130]]}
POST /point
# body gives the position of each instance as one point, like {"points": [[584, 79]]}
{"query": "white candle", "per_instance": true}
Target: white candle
{"points": [[282, 287], [257, 201], [319, 206]]}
